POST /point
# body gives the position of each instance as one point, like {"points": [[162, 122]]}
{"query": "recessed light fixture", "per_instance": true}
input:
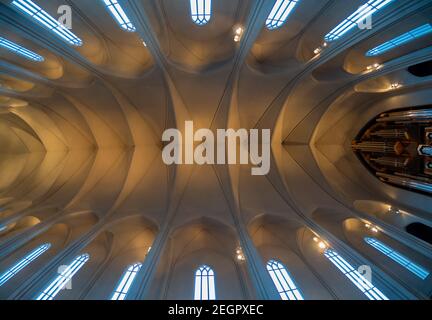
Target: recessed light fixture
{"points": [[374, 67], [395, 85], [238, 32], [371, 227], [239, 254], [322, 245], [318, 50]]}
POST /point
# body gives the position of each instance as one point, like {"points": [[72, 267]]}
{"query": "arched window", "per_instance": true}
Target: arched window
{"points": [[205, 284], [397, 257], [63, 278], [200, 11], [400, 40], [126, 281], [119, 15], [41, 17], [280, 12], [372, 292], [362, 13], [17, 49], [283, 282], [24, 262]]}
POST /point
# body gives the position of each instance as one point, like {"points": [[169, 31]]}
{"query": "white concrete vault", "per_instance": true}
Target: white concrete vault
{"points": [[80, 149]]}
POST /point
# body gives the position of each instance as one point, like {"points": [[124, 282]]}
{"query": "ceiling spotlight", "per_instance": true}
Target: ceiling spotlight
{"points": [[145, 44], [315, 239], [238, 32], [239, 254], [322, 245], [395, 85], [318, 50], [373, 67], [374, 230], [148, 250]]}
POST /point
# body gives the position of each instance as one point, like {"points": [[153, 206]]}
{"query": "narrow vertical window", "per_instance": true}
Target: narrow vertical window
{"points": [[19, 50], [397, 257], [283, 282], [40, 16], [401, 40], [372, 292], [24, 262], [119, 15], [204, 284], [200, 11], [280, 12], [362, 13], [63, 278], [126, 281]]}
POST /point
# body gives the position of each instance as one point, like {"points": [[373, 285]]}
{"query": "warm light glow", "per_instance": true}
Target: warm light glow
{"points": [[315, 239], [322, 245], [374, 229], [238, 32], [395, 85], [373, 67]]}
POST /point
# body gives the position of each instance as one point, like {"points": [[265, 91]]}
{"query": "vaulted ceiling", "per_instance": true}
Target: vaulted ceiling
{"points": [[81, 131]]}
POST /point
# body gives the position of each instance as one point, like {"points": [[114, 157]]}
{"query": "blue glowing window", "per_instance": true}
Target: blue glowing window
{"points": [[119, 15], [397, 257], [63, 278], [126, 281], [355, 277], [200, 11], [283, 282], [280, 13], [365, 11], [400, 40], [9, 45], [204, 284], [24, 262], [42, 17]]}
